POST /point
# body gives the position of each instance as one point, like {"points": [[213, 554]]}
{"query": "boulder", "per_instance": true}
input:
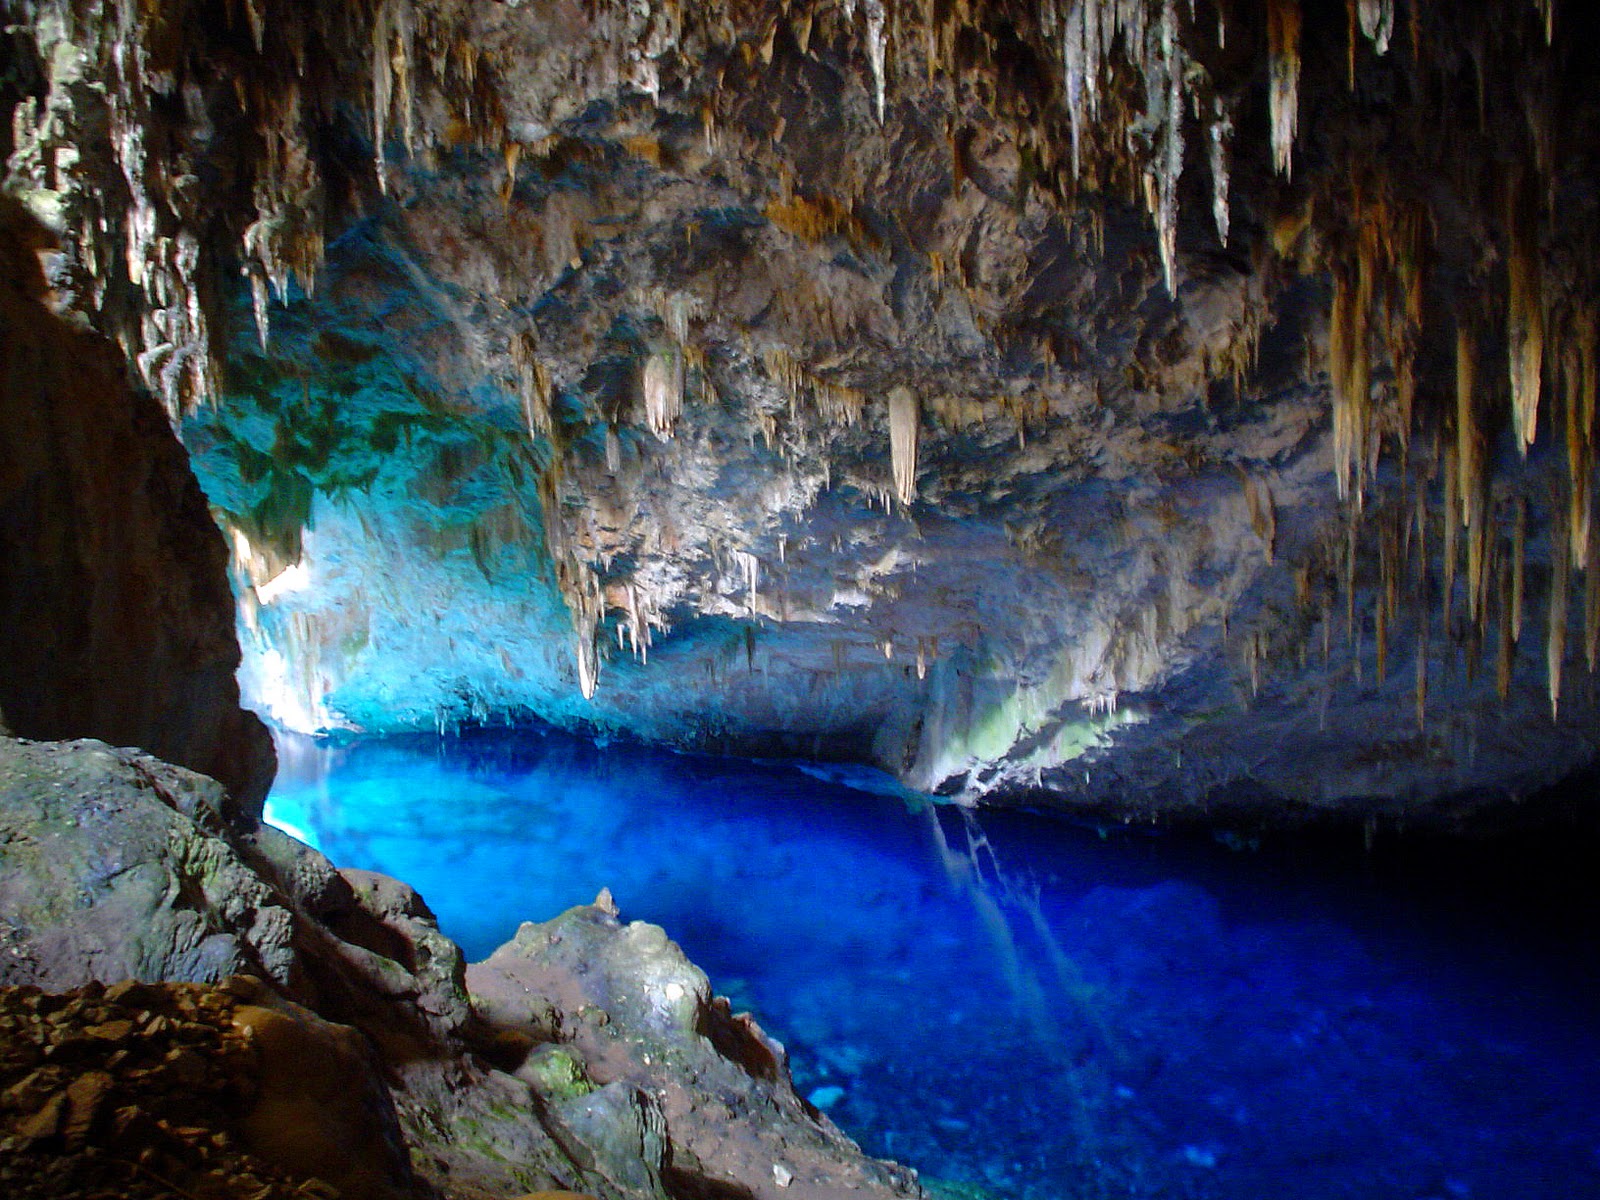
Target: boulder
{"points": [[115, 865], [664, 1064]]}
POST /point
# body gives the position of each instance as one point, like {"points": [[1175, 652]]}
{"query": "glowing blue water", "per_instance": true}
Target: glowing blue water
{"points": [[1023, 1008]]}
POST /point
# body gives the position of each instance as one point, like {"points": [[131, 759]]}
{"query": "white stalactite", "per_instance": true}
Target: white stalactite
{"points": [[1169, 153], [258, 300], [1220, 144], [904, 416], [1283, 53], [750, 567], [1377, 22], [662, 385], [877, 44]]}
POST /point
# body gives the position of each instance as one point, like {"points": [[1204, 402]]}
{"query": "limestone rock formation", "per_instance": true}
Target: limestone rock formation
{"points": [[325, 1022], [640, 1043], [1145, 407], [116, 867]]}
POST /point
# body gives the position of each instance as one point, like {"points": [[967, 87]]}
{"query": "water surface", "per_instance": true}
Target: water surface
{"points": [[1017, 1007]]}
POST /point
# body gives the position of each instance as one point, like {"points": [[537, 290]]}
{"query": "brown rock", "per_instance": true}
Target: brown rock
{"points": [[85, 1097], [46, 1122], [321, 1110]]}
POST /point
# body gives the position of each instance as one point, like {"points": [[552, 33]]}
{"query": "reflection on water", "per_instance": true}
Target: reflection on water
{"points": [[1016, 1007]]}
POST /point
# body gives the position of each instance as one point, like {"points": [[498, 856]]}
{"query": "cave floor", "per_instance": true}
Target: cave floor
{"points": [[1016, 1007]]}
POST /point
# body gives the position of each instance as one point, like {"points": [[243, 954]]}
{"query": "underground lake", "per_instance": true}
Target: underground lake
{"points": [[1024, 1008]]}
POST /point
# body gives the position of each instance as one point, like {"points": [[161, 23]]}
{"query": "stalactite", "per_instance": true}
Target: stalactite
{"points": [[588, 657], [1380, 624], [1524, 311], [1253, 659], [1263, 514], [1405, 324], [535, 387], [1556, 638], [1519, 546], [904, 418], [661, 385], [1591, 605], [1547, 13], [1452, 503], [1506, 655], [1219, 136], [1422, 677], [1350, 368], [1283, 50], [1347, 576], [1578, 370], [580, 588], [258, 300], [1166, 97], [1468, 457], [1471, 484], [750, 567], [876, 46], [1377, 22], [1588, 322], [393, 31]]}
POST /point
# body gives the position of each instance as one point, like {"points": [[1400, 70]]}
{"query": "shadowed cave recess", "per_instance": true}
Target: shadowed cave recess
{"points": [[1043, 415]]}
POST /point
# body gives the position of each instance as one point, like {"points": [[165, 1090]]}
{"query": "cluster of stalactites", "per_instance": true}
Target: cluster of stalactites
{"points": [[1086, 33], [1550, 352], [152, 78], [661, 390], [137, 54], [535, 388], [839, 404], [1397, 568], [1377, 302], [640, 616], [579, 586], [664, 374]]}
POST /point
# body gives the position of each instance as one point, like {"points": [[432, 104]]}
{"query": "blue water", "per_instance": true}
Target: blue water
{"points": [[1017, 1007]]}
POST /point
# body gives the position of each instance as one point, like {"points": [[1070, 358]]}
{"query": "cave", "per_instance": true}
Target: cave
{"points": [[772, 598]]}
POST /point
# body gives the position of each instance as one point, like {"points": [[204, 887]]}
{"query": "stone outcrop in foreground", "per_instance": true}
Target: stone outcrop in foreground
{"points": [[290, 1023]]}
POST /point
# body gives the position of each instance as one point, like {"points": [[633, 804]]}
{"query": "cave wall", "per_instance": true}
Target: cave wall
{"points": [[116, 618], [1140, 407]]}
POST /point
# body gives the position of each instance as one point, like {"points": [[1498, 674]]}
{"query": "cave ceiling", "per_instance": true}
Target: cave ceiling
{"points": [[1141, 406]]}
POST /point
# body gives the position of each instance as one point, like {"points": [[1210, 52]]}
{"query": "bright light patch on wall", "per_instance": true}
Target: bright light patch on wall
{"points": [[291, 579], [277, 691]]}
